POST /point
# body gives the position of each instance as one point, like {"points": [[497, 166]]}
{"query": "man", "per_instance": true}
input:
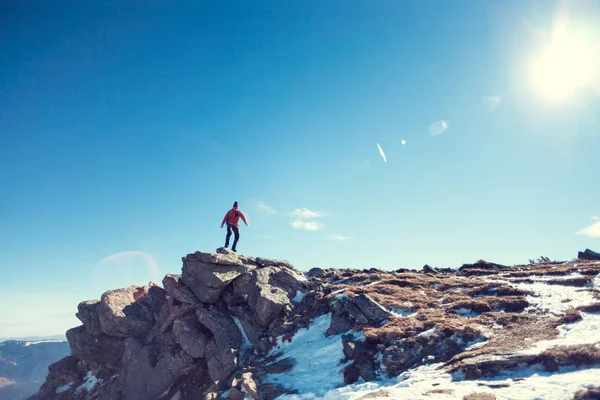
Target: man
{"points": [[232, 217]]}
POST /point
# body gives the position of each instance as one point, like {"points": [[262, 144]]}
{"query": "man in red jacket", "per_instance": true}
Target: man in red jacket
{"points": [[232, 217]]}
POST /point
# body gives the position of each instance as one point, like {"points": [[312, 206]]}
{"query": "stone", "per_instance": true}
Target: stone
{"points": [[207, 274], [150, 369], [120, 315], [267, 291], [222, 351], [281, 366], [174, 287], [316, 273], [372, 310], [95, 348], [191, 336], [588, 254], [249, 386], [88, 315]]}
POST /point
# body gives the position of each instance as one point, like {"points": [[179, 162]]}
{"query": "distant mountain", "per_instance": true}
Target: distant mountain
{"points": [[24, 365], [34, 338]]}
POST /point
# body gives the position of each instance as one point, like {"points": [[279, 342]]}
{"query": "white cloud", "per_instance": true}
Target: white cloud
{"points": [[266, 208], [382, 153], [305, 213], [595, 218], [592, 231], [403, 142], [307, 225], [340, 238]]}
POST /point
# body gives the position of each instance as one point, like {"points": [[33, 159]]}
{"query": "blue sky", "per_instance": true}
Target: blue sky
{"points": [[127, 132]]}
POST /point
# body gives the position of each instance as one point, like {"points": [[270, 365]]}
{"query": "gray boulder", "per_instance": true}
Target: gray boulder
{"points": [[149, 370], [88, 315], [174, 286], [268, 291], [101, 348], [207, 274], [222, 351], [372, 310], [122, 316], [191, 336]]}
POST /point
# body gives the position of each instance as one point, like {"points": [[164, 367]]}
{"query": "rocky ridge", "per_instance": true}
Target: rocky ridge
{"points": [[215, 330]]}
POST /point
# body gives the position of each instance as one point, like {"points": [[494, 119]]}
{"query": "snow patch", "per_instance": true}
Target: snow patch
{"points": [[89, 383], [299, 296], [63, 388], [317, 369]]}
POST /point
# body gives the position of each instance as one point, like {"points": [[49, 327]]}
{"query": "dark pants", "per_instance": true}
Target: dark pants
{"points": [[236, 232]]}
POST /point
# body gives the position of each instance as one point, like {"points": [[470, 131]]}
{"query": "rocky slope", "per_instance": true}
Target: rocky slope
{"points": [[233, 326]]}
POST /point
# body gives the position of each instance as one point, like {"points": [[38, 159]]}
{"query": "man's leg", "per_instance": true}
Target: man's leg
{"points": [[228, 236], [236, 231]]}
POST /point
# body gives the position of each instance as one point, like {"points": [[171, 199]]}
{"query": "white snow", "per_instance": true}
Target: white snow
{"points": [[317, 374], [245, 341], [90, 382], [299, 296], [42, 341], [401, 312], [466, 312], [556, 299], [317, 369], [63, 388]]}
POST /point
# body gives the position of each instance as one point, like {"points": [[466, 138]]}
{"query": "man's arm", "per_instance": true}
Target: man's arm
{"points": [[225, 218], [243, 218]]}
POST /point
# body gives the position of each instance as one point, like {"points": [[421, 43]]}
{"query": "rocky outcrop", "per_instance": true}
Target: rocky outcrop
{"points": [[588, 254], [207, 274], [223, 325]]}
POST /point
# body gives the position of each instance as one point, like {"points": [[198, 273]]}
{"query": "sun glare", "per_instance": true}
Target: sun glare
{"points": [[567, 65]]}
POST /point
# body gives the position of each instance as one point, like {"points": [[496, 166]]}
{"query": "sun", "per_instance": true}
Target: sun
{"points": [[567, 64]]}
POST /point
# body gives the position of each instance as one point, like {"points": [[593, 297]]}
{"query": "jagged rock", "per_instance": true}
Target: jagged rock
{"points": [[399, 357], [349, 347], [191, 336], [249, 386], [351, 374], [372, 310], [267, 291], [88, 315], [588, 255], [95, 348], [280, 366], [192, 384], [207, 274], [120, 315], [339, 324], [175, 287], [150, 369], [225, 250], [221, 351], [316, 273], [62, 372], [589, 393], [235, 394], [429, 270], [269, 262]]}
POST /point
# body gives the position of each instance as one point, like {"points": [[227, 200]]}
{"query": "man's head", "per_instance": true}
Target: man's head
{"points": [[235, 205]]}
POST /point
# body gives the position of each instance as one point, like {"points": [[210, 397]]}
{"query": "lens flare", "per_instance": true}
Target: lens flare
{"points": [[439, 127], [382, 153]]}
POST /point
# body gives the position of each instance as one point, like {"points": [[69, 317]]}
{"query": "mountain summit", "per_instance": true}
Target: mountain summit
{"points": [[234, 326]]}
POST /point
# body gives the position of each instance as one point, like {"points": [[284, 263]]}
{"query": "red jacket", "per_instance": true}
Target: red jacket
{"points": [[233, 217]]}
